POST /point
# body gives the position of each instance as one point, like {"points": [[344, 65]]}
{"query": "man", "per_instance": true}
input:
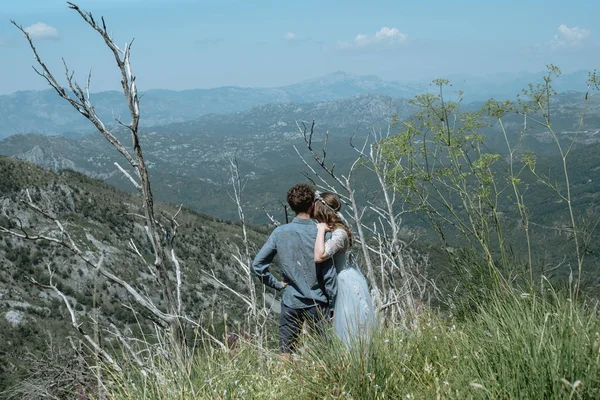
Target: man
{"points": [[308, 289]]}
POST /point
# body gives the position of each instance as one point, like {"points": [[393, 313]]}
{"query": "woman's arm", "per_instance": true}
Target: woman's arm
{"points": [[320, 253], [325, 249]]}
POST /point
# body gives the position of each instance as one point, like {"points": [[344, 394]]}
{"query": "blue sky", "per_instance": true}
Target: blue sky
{"points": [[185, 44]]}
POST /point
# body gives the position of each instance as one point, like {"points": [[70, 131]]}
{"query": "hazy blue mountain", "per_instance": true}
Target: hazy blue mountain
{"points": [[338, 116], [45, 113], [341, 85], [508, 85]]}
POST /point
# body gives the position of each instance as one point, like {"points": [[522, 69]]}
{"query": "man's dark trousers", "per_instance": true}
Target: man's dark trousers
{"points": [[292, 319]]}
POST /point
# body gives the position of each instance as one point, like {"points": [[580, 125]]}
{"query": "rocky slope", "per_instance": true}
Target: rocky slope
{"points": [[101, 221]]}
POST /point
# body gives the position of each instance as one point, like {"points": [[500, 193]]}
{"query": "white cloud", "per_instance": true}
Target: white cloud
{"points": [[290, 36], [361, 40], [385, 36], [391, 35], [570, 36], [41, 31]]}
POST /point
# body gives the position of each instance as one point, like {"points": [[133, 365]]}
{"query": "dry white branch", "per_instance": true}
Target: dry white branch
{"points": [[271, 218], [125, 342], [74, 321], [223, 285], [244, 260], [128, 176], [179, 281], [344, 182]]}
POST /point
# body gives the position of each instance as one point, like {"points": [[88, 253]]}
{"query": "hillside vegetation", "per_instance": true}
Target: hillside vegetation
{"points": [[506, 330], [100, 218]]}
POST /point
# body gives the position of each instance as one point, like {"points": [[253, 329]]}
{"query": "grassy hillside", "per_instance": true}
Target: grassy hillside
{"points": [[518, 345], [524, 343], [100, 218]]}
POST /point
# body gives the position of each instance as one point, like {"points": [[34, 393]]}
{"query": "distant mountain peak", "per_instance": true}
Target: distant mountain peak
{"points": [[327, 79], [338, 73]]}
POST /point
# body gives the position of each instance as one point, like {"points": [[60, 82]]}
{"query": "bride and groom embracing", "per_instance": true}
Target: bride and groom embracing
{"points": [[320, 284]]}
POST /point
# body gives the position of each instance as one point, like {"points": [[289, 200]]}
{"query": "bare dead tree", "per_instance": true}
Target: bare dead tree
{"points": [[171, 235], [168, 313], [160, 237], [245, 258], [392, 248]]}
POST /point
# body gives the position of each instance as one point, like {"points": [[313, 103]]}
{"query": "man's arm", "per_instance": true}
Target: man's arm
{"points": [[329, 281], [263, 260]]}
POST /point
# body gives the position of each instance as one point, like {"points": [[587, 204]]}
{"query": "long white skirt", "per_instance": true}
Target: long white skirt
{"points": [[354, 316]]}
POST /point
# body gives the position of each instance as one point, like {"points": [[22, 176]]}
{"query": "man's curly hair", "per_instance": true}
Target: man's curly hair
{"points": [[301, 197]]}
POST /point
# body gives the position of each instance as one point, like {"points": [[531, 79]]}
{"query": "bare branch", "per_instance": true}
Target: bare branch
{"points": [[178, 281], [128, 176], [83, 108], [125, 342], [271, 218], [220, 283], [74, 321]]}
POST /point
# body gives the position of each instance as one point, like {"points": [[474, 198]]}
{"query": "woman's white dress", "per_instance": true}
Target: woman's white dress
{"points": [[354, 316]]}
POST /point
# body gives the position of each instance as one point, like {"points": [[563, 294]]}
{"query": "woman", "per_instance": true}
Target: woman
{"points": [[354, 316]]}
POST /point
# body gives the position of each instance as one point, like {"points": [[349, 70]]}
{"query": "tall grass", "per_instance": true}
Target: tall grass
{"points": [[515, 346]]}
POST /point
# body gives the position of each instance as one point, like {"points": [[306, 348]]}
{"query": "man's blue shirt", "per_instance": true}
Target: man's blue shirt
{"points": [[308, 283]]}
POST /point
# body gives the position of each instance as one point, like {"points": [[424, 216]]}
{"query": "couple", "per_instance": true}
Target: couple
{"points": [[319, 283]]}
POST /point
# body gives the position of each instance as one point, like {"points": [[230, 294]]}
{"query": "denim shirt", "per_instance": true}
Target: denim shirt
{"points": [[308, 283]]}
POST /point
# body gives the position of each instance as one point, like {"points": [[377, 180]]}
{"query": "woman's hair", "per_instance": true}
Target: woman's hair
{"points": [[326, 208]]}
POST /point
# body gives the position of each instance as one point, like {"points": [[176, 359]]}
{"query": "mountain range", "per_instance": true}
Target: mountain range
{"points": [[188, 151], [44, 113]]}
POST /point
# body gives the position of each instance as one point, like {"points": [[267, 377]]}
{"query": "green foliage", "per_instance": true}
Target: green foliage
{"points": [[443, 170], [511, 205]]}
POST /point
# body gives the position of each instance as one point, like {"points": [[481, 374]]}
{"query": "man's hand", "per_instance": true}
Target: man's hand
{"points": [[284, 285]]}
